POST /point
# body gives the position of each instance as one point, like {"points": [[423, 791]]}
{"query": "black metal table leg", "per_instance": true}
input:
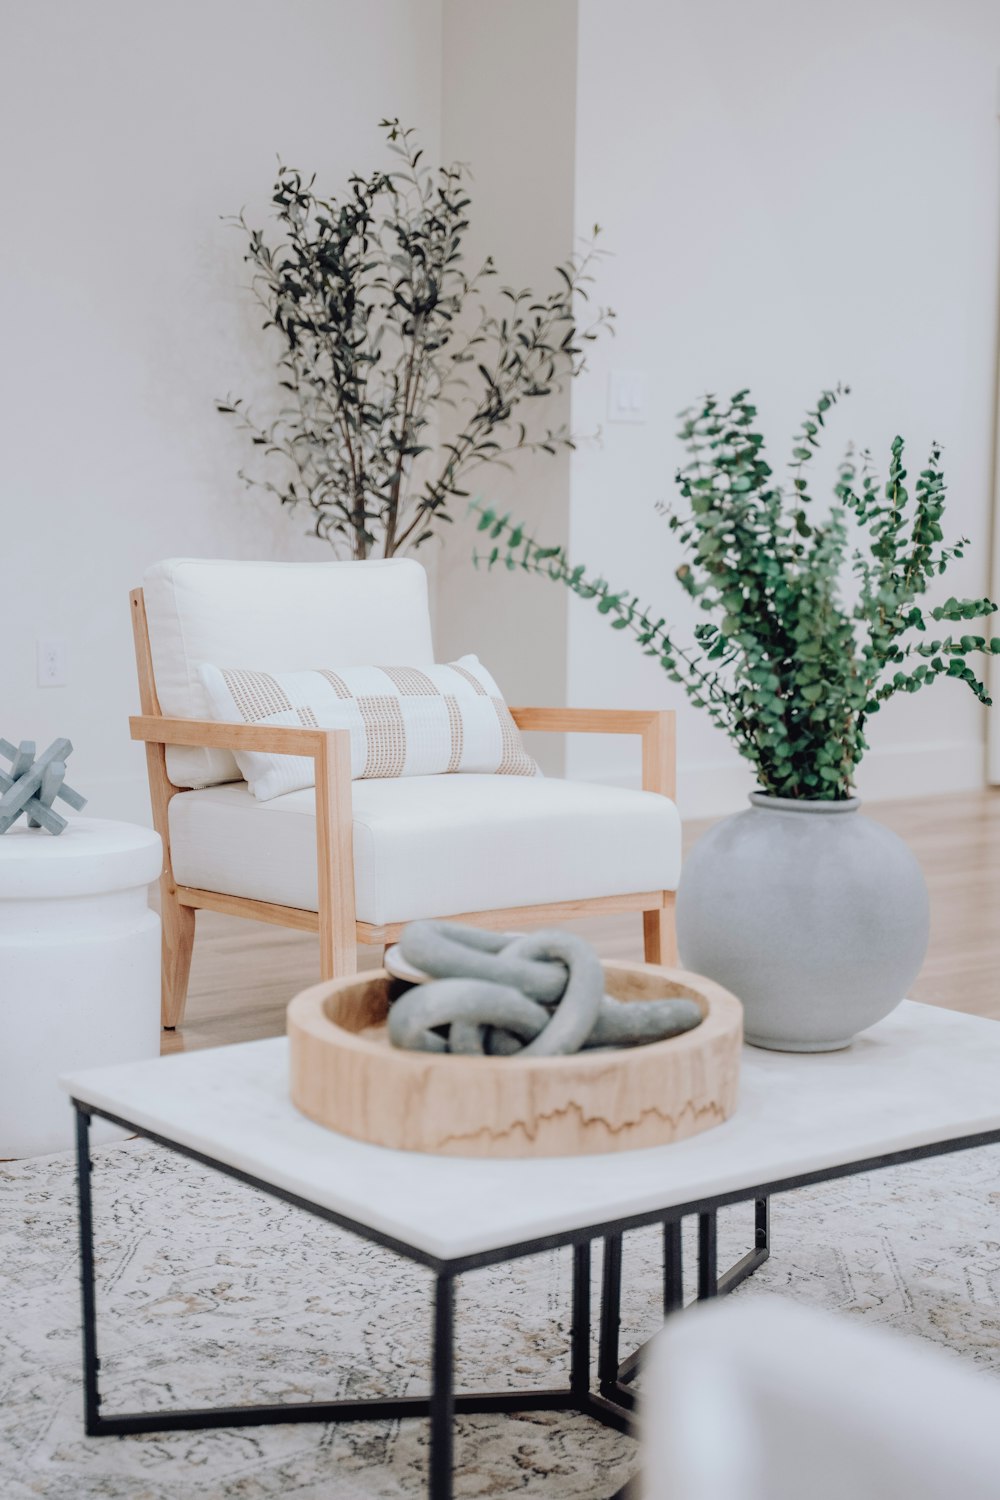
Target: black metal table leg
{"points": [[673, 1296], [708, 1255], [605, 1404], [442, 1389], [611, 1298], [673, 1268], [439, 1407], [710, 1282], [736, 1275], [579, 1379], [762, 1224], [91, 1363], [611, 1404]]}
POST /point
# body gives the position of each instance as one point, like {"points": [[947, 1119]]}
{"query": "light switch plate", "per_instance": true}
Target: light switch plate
{"points": [[627, 396]]}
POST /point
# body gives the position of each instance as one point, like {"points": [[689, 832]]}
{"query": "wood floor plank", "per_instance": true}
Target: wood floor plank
{"points": [[245, 973]]}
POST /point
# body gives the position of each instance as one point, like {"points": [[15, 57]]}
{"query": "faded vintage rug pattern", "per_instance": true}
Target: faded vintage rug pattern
{"points": [[211, 1293]]}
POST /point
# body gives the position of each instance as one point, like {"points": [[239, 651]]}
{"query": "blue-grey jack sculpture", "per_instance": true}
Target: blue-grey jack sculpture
{"points": [[31, 786], [535, 996]]}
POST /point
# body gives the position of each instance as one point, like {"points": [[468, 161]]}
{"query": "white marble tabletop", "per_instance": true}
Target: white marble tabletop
{"points": [[925, 1075]]}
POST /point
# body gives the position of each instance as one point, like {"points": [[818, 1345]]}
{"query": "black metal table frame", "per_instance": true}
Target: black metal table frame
{"points": [[610, 1404]]}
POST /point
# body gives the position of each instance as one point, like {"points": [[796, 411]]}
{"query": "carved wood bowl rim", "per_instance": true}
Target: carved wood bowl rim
{"points": [[722, 1014], [586, 1103]]}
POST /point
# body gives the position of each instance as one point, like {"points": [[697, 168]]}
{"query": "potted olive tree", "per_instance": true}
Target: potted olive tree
{"points": [[400, 367], [814, 915]]}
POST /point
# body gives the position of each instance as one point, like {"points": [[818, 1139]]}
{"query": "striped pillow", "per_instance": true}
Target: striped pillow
{"points": [[404, 721]]}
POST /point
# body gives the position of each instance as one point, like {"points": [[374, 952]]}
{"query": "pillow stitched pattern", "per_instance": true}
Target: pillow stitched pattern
{"points": [[403, 721]]}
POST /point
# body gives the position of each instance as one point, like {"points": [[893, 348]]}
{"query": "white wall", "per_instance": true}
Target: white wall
{"points": [[127, 130], [796, 194], [508, 109]]}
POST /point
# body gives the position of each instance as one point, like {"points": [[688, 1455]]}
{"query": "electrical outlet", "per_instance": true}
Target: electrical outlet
{"points": [[51, 662], [627, 396]]}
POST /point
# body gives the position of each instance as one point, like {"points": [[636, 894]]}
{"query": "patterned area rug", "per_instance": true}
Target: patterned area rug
{"points": [[211, 1293]]}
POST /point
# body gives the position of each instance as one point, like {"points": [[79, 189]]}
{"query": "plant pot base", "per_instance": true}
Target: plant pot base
{"points": [[774, 1044]]}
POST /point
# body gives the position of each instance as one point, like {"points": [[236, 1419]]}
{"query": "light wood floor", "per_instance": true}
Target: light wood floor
{"points": [[244, 973]]}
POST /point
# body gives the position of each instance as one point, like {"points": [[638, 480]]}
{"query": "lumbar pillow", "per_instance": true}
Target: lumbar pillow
{"points": [[403, 721]]}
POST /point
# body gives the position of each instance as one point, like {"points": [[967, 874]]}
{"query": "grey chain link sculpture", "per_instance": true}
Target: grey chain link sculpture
{"points": [[31, 786], [535, 996]]}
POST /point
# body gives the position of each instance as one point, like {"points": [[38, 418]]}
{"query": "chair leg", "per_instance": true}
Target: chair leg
{"points": [[341, 964], [338, 948], [658, 933], [178, 942]]}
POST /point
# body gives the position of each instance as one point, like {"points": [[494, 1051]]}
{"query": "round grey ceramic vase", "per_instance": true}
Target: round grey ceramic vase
{"points": [[813, 915]]}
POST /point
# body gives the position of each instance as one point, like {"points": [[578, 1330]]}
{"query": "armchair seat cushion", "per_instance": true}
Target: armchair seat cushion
{"points": [[434, 845]]}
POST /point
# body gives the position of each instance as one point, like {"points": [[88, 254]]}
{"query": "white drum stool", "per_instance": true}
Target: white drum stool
{"points": [[79, 968]]}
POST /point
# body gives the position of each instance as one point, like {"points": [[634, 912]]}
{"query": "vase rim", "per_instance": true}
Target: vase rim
{"points": [[804, 804]]}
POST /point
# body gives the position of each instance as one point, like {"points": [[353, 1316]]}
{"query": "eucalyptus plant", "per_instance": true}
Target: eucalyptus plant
{"points": [[383, 332], [813, 621]]}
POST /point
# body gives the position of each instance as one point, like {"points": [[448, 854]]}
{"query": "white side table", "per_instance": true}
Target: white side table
{"points": [[79, 968]]}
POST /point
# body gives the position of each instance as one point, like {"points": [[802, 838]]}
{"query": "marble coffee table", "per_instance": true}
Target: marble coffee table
{"points": [[923, 1082]]}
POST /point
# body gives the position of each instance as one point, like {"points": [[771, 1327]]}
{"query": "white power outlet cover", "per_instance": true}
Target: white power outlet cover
{"points": [[627, 396], [51, 662]]}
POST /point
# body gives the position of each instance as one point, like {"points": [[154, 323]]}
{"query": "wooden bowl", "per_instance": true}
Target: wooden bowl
{"points": [[345, 1074]]}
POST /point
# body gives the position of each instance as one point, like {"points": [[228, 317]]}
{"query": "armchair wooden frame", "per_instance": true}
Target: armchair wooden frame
{"points": [[335, 921]]}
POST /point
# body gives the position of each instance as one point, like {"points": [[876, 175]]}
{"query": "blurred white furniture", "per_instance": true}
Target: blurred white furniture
{"points": [[761, 1399], [354, 862], [79, 968]]}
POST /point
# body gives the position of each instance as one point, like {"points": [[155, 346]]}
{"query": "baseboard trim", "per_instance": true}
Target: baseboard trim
{"points": [[927, 770]]}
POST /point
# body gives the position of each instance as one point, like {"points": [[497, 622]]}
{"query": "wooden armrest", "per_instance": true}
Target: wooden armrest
{"points": [[271, 739], [331, 750], [588, 720], [657, 727]]}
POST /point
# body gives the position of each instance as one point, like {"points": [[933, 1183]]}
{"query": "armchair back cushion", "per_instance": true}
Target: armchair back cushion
{"points": [[276, 615]]}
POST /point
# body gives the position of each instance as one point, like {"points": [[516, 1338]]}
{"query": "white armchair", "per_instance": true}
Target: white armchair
{"points": [[356, 861]]}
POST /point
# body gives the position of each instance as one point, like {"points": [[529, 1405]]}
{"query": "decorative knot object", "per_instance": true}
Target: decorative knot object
{"points": [[31, 786], [536, 996]]}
